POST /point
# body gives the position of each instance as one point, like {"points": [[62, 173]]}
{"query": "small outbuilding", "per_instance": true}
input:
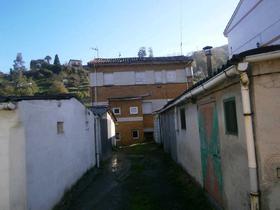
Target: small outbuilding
{"points": [[224, 131], [46, 144]]}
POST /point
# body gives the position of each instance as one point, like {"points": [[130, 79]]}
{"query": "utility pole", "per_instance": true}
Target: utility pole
{"points": [[95, 72], [97, 51], [181, 27]]}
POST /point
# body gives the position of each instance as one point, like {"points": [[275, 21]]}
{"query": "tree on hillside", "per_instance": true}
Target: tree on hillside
{"points": [[48, 59], [151, 53], [56, 60], [6, 89], [142, 52], [57, 87], [19, 63], [25, 87]]}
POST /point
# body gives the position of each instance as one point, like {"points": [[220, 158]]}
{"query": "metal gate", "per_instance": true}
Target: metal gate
{"points": [[210, 151]]}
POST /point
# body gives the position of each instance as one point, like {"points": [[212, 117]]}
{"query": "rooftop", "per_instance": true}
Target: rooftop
{"points": [[36, 97], [99, 110], [235, 59], [139, 60]]}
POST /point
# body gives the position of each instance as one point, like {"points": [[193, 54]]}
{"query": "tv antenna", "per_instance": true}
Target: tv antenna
{"points": [[96, 50]]}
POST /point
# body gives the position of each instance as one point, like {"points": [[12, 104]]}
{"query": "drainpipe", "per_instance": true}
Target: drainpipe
{"points": [[251, 151], [176, 120], [96, 128]]}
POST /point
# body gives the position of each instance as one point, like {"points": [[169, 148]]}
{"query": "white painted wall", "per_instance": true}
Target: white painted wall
{"points": [[128, 77], [37, 165], [157, 134], [261, 25], [188, 143], [12, 162], [111, 126], [157, 104], [55, 161]]}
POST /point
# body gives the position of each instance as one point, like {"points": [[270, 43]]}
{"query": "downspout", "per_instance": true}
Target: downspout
{"points": [[96, 142], [95, 87], [248, 121]]}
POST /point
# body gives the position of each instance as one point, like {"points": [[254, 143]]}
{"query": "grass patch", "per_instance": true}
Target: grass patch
{"points": [[156, 182]]}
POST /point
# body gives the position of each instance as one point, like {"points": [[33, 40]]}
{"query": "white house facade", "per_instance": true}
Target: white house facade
{"points": [[255, 23], [46, 145]]}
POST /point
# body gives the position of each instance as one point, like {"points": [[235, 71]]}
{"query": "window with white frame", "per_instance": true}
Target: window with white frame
{"points": [[158, 77], [133, 110], [139, 77], [171, 76], [108, 78], [135, 134], [147, 107], [116, 110]]}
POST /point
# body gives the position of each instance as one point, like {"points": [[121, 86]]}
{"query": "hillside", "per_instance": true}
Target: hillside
{"points": [[56, 78], [48, 79], [219, 57]]}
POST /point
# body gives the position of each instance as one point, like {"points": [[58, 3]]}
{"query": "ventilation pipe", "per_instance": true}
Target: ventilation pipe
{"points": [[251, 151], [208, 53]]}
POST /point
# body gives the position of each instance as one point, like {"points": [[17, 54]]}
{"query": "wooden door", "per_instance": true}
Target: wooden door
{"points": [[210, 151]]}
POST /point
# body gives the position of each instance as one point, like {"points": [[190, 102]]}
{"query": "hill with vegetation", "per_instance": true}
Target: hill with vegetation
{"points": [[44, 78], [219, 58]]}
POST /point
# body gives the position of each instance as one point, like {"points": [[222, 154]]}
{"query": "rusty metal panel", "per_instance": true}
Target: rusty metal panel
{"points": [[210, 151]]}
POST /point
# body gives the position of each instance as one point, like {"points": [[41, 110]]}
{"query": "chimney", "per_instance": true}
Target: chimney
{"points": [[208, 53]]}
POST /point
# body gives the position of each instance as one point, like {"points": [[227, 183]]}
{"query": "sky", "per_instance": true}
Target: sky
{"points": [[70, 28]]}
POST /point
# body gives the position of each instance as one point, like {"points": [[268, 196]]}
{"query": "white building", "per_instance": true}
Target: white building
{"points": [[46, 145], [254, 23], [105, 124]]}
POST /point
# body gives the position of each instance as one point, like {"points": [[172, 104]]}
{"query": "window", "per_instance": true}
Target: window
{"points": [[140, 77], [171, 76], [108, 79], [60, 127], [133, 110], [117, 110], [183, 118], [118, 136], [135, 134], [147, 107], [230, 116], [158, 77]]}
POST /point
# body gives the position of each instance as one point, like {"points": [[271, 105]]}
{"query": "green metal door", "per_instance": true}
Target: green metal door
{"points": [[210, 151]]}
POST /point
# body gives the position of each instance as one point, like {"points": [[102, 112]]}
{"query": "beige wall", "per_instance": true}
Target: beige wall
{"points": [[266, 103], [12, 162], [234, 161], [188, 143], [141, 67]]}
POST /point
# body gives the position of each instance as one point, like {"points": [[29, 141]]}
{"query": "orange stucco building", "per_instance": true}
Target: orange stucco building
{"points": [[134, 88]]}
